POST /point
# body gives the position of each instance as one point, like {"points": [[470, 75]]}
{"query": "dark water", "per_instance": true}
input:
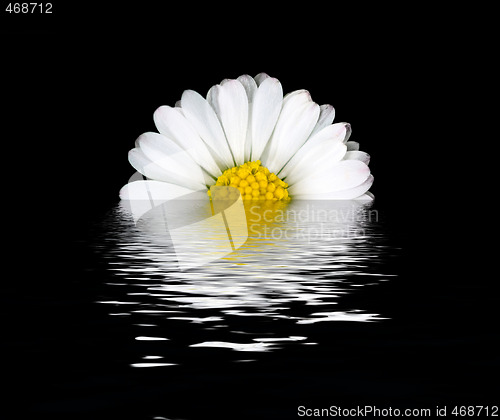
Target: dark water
{"points": [[320, 306]]}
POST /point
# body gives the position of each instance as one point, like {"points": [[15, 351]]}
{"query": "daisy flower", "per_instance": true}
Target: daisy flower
{"points": [[246, 134]]}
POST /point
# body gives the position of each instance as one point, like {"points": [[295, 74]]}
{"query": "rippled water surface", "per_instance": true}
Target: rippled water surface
{"points": [[293, 270]]}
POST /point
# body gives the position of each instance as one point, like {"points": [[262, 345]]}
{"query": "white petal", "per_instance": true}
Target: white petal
{"points": [[156, 170], [266, 109], [332, 133], [172, 124], [157, 145], [358, 192], [147, 167], [352, 146], [295, 98], [204, 119], [249, 136], [292, 131], [326, 116], [141, 196], [327, 153], [232, 104], [170, 156], [357, 155], [260, 78], [291, 102], [212, 95], [348, 133], [343, 175], [366, 197], [155, 191], [249, 84]]}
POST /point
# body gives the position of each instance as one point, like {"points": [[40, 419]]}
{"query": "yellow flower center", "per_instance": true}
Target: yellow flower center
{"points": [[255, 182]]}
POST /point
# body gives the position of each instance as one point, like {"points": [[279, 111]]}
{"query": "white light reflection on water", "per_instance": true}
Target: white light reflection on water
{"points": [[142, 365], [144, 338], [235, 346], [297, 259]]}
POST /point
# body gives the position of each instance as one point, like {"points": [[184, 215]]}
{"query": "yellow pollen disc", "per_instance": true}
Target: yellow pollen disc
{"points": [[255, 182]]}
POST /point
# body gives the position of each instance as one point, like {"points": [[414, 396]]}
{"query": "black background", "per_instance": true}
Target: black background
{"points": [[81, 87]]}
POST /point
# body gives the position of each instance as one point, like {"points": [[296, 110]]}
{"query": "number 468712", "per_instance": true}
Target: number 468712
{"points": [[29, 8]]}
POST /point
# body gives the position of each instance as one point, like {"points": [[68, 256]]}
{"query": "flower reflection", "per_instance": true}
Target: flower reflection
{"points": [[199, 231], [295, 258]]}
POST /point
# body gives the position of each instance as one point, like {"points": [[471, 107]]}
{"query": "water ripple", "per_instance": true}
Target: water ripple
{"points": [[291, 270]]}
